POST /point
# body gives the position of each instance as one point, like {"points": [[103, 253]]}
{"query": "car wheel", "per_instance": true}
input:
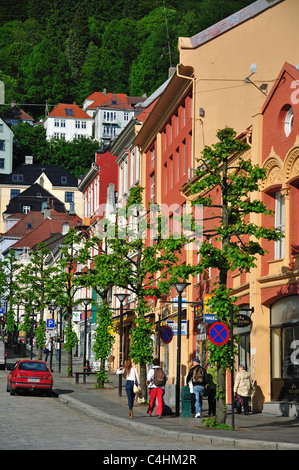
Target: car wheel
{"points": [[12, 392]]}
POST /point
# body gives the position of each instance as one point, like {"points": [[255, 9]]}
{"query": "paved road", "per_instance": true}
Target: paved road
{"points": [[33, 422]]}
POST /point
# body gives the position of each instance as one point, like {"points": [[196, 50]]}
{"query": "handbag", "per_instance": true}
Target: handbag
{"points": [[136, 387]]}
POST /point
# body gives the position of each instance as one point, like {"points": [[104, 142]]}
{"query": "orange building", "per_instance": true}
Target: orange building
{"points": [[228, 75]]}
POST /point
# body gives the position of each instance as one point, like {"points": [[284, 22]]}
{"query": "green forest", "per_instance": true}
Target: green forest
{"points": [[63, 50]]}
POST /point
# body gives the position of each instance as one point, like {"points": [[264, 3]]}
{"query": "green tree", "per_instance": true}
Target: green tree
{"points": [[76, 155], [38, 286], [224, 165], [141, 268], [68, 285]]}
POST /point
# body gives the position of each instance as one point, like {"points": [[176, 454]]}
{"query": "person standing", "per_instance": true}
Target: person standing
{"points": [[156, 380], [198, 376], [48, 348], [131, 375], [243, 389]]}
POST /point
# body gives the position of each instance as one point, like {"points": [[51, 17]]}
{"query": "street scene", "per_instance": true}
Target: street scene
{"points": [[149, 230]]}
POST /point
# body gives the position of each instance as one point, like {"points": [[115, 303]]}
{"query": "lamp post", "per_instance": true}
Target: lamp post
{"points": [[180, 287], [52, 307], [121, 297], [86, 302]]}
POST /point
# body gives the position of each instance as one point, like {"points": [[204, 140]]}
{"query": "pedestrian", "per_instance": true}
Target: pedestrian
{"points": [[131, 375], [192, 396], [48, 348], [198, 376], [57, 349], [243, 389], [156, 380], [211, 389]]}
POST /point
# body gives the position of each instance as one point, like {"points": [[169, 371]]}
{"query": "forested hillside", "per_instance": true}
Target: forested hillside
{"points": [[63, 50]]}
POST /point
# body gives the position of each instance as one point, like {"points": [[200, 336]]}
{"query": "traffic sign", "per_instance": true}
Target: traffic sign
{"points": [[219, 333], [166, 334], [50, 323]]}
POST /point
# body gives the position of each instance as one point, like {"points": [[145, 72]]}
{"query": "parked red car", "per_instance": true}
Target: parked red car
{"points": [[30, 375]]}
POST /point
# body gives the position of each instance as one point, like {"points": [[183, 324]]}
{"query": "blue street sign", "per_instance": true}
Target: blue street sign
{"points": [[1, 310], [50, 323], [166, 334], [218, 333]]}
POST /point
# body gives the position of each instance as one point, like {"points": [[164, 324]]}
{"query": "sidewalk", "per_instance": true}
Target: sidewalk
{"points": [[255, 431]]}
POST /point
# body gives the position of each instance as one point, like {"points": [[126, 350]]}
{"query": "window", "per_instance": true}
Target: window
{"points": [[152, 188], [69, 112], [284, 337], [2, 145], [279, 224], [62, 123], [56, 122], [25, 209], [63, 179], [17, 178], [288, 123], [14, 193], [69, 196], [83, 124], [126, 116], [1, 127], [153, 157], [77, 124], [2, 163]]}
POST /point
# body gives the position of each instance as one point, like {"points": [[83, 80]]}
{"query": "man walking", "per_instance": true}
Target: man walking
{"points": [[198, 376], [156, 379]]}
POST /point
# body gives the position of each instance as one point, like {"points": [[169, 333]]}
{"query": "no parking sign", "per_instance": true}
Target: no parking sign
{"points": [[219, 333], [166, 334]]}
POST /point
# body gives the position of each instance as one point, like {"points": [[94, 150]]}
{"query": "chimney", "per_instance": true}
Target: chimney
{"points": [[104, 91], [29, 159]]}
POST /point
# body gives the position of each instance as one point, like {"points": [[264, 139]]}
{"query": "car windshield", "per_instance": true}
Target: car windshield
{"points": [[33, 366]]}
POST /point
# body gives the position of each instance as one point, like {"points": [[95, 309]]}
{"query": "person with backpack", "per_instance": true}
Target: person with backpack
{"points": [[198, 377], [156, 380]]}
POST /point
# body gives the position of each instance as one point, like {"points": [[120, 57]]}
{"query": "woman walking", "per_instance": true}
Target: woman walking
{"points": [[131, 375]]}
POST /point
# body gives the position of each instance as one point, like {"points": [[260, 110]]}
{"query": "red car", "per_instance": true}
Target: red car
{"points": [[30, 375]]}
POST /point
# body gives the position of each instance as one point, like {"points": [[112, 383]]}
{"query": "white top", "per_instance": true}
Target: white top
{"points": [[150, 378], [133, 374]]}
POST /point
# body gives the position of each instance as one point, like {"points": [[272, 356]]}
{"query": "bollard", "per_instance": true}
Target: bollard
{"points": [[186, 402]]}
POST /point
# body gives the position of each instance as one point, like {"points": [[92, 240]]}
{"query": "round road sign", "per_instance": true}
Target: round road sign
{"points": [[166, 334], [218, 333]]}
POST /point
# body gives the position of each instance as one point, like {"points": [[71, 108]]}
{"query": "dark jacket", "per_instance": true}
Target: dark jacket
{"points": [[190, 375]]}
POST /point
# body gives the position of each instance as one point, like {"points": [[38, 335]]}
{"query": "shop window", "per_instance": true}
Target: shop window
{"points": [[285, 348]]}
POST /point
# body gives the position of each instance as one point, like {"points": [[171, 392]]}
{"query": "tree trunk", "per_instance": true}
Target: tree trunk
{"points": [[221, 396]]}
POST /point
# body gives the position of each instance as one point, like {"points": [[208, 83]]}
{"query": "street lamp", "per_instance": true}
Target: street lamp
{"points": [[180, 287], [52, 307], [121, 297], [86, 302]]}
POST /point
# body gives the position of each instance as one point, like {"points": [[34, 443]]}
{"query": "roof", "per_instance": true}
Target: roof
{"points": [[228, 23], [31, 172], [35, 196], [289, 69], [113, 100], [19, 228], [16, 113], [45, 229], [68, 111]]}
